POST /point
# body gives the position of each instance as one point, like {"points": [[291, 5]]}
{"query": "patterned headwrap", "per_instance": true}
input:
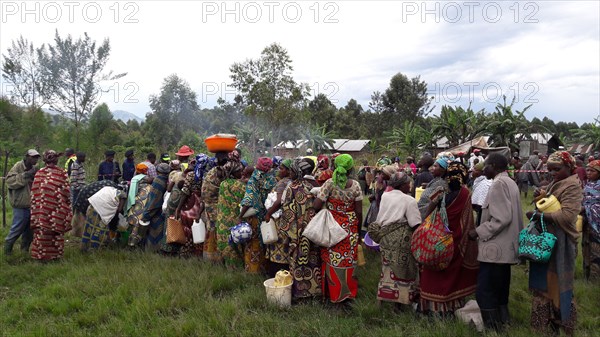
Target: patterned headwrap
{"points": [[234, 155], [175, 164], [343, 164], [141, 168], [562, 158], [295, 167], [594, 165], [277, 161], [398, 179], [201, 166], [323, 161], [287, 163], [456, 173], [389, 170], [51, 157], [264, 164], [232, 167]]}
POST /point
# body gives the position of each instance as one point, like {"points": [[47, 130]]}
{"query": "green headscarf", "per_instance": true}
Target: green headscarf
{"points": [[287, 163], [343, 164]]}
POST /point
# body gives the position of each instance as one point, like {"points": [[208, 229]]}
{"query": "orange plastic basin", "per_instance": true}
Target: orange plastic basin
{"points": [[221, 142]]}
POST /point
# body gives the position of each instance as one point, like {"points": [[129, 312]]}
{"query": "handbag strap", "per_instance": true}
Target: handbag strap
{"points": [[542, 223], [443, 213]]}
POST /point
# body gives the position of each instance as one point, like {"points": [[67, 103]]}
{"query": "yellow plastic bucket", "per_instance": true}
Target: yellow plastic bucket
{"points": [[549, 204]]}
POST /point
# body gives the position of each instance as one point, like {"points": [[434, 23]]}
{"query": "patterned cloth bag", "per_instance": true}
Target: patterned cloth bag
{"points": [[534, 245], [432, 244]]}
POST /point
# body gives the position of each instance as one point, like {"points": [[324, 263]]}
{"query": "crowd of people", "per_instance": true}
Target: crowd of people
{"points": [[479, 199]]}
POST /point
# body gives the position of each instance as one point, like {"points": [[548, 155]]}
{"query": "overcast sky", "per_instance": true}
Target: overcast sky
{"points": [[547, 53]]}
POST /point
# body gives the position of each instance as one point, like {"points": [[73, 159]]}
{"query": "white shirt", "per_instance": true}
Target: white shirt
{"points": [[397, 206], [481, 186]]}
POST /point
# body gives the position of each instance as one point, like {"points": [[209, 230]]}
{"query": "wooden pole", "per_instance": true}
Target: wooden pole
{"points": [[4, 188]]}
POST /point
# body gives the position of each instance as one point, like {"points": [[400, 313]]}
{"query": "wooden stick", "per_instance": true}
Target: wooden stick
{"points": [[7, 152]]}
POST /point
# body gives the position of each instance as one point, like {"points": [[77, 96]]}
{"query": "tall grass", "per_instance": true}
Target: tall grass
{"points": [[125, 293]]}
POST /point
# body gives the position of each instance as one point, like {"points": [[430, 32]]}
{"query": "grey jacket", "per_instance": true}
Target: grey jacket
{"points": [[501, 222], [19, 183]]}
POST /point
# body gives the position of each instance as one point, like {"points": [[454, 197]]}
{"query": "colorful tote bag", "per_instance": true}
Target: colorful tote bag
{"points": [[432, 244]]}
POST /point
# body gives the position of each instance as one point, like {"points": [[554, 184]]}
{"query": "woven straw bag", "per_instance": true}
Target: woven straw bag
{"points": [[175, 233]]}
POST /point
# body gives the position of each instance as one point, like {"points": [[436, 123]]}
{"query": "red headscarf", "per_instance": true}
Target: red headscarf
{"points": [[323, 161], [264, 164], [595, 164]]}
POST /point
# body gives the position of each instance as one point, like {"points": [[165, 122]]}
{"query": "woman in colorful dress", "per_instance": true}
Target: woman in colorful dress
{"points": [[553, 305], [81, 204], [174, 188], [153, 219], [437, 186], [102, 216], [210, 198], [137, 196], [190, 200], [444, 291], [231, 192], [297, 211], [50, 209], [343, 198], [393, 229], [278, 254], [259, 185], [323, 171], [591, 227]]}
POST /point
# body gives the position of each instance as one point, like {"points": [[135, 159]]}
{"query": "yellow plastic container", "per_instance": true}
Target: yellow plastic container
{"points": [[579, 223], [549, 204], [282, 278], [418, 192], [361, 256]]}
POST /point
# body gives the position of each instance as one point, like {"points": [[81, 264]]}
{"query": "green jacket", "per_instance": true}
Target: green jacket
{"points": [[19, 183]]}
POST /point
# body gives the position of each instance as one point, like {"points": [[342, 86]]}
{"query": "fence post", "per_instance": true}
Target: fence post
{"points": [[6, 152]]}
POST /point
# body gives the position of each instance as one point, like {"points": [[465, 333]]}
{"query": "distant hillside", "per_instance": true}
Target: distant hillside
{"points": [[123, 115], [126, 116]]}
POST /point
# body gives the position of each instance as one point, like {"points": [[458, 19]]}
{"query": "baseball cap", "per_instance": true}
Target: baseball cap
{"points": [[32, 153]]}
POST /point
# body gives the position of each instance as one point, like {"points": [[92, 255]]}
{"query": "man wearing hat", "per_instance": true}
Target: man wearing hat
{"points": [[109, 168], [165, 158], [19, 181], [128, 165], [183, 156]]}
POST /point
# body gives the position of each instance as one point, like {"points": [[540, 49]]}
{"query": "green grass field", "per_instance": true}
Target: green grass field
{"points": [[123, 293]]}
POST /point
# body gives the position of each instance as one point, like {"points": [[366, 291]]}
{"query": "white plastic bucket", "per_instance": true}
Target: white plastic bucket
{"points": [[268, 230], [198, 231], [280, 296]]}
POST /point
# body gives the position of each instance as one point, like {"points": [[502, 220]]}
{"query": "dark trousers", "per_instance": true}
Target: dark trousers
{"points": [[493, 285]]}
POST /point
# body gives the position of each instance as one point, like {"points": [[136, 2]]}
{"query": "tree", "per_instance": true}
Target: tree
{"points": [[504, 125], [322, 111], [267, 92], [589, 134], [410, 138], [73, 71], [319, 139], [458, 125], [406, 99], [21, 68], [103, 129], [174, 111]]}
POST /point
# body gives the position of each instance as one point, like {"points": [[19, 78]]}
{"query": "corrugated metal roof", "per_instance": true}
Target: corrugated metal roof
{"points": [[346, 145], [353, 145]]}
